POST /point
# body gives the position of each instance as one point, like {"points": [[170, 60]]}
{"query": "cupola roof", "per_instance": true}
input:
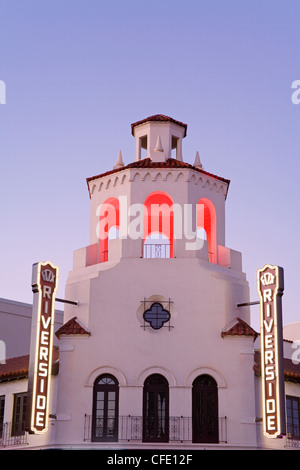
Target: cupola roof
{"points": [[158, 118]]}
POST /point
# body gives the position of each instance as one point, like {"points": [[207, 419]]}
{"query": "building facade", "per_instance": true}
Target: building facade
{"points": [[157, 353]]}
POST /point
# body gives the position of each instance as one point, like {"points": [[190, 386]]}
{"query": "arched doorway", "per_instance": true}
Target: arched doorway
{"points": [[105, 408], [156, 409], [205, 409]]}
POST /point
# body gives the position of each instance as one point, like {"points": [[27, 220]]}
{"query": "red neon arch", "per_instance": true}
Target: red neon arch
{"points": [[109, 217], [207, 219], [159, 217]]}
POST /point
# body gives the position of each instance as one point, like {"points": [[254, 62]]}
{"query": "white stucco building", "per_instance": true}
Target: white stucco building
{"points": [[157, 354]]}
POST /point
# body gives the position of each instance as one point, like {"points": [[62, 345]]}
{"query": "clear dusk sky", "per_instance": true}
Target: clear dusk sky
{"points": [[79, 72]]}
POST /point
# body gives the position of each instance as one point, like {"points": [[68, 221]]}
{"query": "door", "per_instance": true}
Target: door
{"points": [[156, 409], [205, 410], [105, 409]]}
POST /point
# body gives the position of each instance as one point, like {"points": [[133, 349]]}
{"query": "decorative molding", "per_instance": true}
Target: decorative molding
{"points": [[120, 376], [156, 370], [203, 371], [162, 175]]}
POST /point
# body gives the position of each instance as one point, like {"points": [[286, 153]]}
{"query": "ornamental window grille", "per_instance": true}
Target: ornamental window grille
{"points": [[157, 314]]}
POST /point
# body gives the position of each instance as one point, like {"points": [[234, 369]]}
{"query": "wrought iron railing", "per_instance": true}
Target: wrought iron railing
{"points": [[8, 438], [157, 250], [130, 428], [293, 435]]}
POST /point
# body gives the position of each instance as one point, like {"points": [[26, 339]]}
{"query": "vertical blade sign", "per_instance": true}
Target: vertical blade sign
{"points": [[270, 290], [44, 286]]}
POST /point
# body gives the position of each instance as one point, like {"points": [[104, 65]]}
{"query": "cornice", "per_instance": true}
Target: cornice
{"points": [[133, 174]]}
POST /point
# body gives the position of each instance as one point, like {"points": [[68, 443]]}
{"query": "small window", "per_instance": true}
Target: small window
{"points": [[157, 316], [175, 141], [19, 414], [292, 417], [143, 146]]}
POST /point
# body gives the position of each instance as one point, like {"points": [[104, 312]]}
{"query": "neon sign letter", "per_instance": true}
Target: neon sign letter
{"points": [[270, 290], [44, 286]]}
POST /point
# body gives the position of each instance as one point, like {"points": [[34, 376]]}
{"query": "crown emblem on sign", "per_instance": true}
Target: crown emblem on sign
{"points": [[47, 275], [267, 279]]}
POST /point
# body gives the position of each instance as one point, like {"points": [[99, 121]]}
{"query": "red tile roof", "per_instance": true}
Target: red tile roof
{"points": [[148, 163], [291, 370], [17, 367], [72, 327], [240, 328], [159, 118]]}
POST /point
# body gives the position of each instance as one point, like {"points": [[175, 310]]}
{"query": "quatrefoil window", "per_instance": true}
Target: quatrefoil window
{"points": [[156, 315]]}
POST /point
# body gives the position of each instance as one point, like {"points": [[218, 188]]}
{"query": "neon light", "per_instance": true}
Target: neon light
{"points": [[270, 290], [207, 220], [159, 217], [44, 286]]}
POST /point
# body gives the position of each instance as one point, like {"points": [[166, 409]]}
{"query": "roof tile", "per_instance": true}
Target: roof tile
{"points": [[239, 328], [17, 367], [291, 370], [72, 327], [159, 118]]}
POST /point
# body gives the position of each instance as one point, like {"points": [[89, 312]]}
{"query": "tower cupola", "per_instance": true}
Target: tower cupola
{"points": [[159, 135]]}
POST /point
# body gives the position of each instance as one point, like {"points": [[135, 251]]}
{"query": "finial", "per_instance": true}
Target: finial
{"points": [[119, 162], [158, 147], [197, 162]]}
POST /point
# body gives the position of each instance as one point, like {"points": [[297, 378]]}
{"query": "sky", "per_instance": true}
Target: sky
{"points": [[78, 73]]}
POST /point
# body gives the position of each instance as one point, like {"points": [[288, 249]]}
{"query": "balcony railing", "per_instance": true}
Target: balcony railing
{"points": [[130, 428], [157, 250], [7, 439], [293, 435]]}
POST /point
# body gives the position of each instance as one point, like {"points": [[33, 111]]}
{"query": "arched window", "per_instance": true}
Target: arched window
{"points": [[207, 226], [109, 224], [105, 409], [156, 409], [158, 226], [205, 409]]}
